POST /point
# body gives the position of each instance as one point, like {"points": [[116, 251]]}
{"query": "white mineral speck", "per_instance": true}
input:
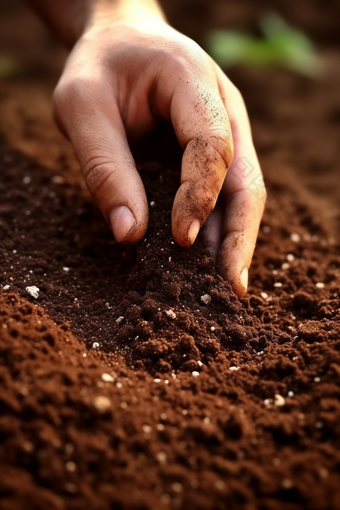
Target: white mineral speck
{"points": [[33, 291], [6, 287], [264, 295], [101, 403], [152, 203], [285, 265], [220, 485], [107, 378], [287, 484], [295, 237], [199, 363], [278, 284], [212, 328], [157, 380], [119, 320], [66, 269], [234, 369], [206, 299], [290, 257], [169, 259], [177, 487], [58, 179], [317, 379], [279, 400], [147, 429], [171, 314], [195, 374], [70, 466], [161, 457], [320, 285], [290, 394]]}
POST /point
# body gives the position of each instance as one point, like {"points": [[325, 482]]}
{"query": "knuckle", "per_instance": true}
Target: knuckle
{"points": [[223, 146], [97, 173]]}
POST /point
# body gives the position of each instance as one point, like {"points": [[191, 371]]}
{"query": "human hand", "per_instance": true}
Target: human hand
{"points": [[122, 76]]}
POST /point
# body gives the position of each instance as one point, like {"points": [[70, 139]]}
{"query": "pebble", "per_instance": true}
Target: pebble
{"points": [[290, 257], [119, 320], [171, 314], [195, 374], [33, 291], [206, 299], [101, 403], [199, 363], [95, 345], [296, 238], [320, 285], [107, 378], [6, 287], [279, 400]]}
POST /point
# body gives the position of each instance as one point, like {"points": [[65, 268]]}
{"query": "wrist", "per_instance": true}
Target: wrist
{"points": [[101, 13]]}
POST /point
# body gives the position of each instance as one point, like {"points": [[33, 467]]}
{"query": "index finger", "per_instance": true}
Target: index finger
{"points": [[202, 126]]}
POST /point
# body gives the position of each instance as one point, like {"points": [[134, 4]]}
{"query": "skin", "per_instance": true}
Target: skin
{"points": [[128, 69]]}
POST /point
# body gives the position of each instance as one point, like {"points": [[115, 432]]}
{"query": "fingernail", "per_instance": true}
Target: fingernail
{"points": [[122, 221], [193, 231], [244, 278]]}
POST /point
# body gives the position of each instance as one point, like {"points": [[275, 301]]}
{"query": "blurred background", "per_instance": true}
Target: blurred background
{"points": [[284, 56]]}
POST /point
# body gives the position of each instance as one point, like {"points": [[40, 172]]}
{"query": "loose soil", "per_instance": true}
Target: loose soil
{"points": [[134, 378]]}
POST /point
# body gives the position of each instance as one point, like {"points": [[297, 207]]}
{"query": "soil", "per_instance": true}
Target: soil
{"points": [[133, 377]]}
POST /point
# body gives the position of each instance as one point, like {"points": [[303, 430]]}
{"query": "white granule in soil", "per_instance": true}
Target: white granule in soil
{"points": [[95, 345], [279, 400], [66, 269], [296, 238], [171, 314], [233, 369], [107, 378], [206, 299], [6, 287], [195, 374], [101, 403], [320, 285], [120, 319], [290, 257], [33, 291]]}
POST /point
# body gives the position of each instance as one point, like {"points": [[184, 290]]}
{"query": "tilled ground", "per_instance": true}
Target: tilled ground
{"points": [[133, 378]]}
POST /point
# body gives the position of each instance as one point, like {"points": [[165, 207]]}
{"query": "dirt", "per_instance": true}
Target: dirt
{"points": [[133, 377]]}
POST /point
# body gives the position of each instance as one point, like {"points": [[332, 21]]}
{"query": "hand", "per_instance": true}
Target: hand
{"points": [[121, 77]]}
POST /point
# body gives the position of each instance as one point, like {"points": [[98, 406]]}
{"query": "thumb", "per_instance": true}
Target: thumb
{"points": [[109, 170]]}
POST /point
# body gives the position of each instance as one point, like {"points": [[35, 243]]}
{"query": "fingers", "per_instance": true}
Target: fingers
{"points": [[100, 143], [244, 195], [202, 127]]}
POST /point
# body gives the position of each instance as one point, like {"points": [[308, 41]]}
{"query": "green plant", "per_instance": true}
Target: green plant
{"points": [[281, 45]]}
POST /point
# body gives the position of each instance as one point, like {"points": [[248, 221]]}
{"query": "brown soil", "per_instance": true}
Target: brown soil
{"points": [[121, 387]]}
